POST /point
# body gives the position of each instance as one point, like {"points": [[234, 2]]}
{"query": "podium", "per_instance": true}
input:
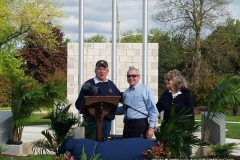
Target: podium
{"points": [[99, 106]]}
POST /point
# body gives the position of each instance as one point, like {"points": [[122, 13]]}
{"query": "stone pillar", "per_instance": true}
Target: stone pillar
{"points": [[217, 132]]}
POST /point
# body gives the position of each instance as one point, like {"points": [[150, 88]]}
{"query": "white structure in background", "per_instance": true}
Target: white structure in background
{"points": [[114, 44], [128, 54]]}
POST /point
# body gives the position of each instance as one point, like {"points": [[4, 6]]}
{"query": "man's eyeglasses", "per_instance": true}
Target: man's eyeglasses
{"points": [[133, 76], [102, 69], [168, 79]]}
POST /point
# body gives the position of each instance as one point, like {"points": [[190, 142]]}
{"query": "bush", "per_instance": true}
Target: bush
{"points": [[3, 148], [223, 151], [201, 90]]}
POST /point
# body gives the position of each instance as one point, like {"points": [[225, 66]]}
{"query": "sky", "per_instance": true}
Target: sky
{"points": [[98, 16]]}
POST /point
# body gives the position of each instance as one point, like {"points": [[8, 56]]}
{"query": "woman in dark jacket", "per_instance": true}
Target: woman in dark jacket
{"points": [[177, 95]]}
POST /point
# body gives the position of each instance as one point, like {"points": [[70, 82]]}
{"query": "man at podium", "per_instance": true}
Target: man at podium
{"points": [[98, 86]]}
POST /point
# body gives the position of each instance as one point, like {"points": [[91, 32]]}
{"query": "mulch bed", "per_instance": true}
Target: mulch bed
{"points": [[7, 155]]}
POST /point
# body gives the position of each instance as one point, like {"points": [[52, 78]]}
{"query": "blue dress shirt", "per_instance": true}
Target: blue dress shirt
{"points": [[139, 97]]}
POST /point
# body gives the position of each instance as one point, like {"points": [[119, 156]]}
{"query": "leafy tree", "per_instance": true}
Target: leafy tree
{"points": [[221, 49], [42, 61], [10, 64], [131, 36], [18, 17], [171, 50], [96, 39], [4, 91], [220, 58], [202, 89], [67, 40], [192, 17], [24, 95], [171, 56]]}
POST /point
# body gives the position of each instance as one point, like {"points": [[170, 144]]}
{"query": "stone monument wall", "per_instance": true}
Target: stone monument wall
{"points": [[128, 54]]}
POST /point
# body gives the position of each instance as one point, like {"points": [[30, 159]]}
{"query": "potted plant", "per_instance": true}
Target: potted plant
{"points": [[225, 94], [174, 136], [28, 96], [24, 94], [60, 128]]}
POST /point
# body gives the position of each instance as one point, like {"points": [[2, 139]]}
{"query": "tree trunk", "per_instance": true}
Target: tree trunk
{"points": [[207, 123], [197, 58], [17, 134]]}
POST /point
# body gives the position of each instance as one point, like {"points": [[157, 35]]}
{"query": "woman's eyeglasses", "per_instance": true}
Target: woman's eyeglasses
{"points": [[133, 76]]}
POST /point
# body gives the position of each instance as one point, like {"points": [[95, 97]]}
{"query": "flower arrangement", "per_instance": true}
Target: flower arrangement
{"points": [[156, 152], [66, 156]]}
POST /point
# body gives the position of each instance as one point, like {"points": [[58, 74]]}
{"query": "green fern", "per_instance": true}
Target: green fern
{"points": [[224, 151], [177, 132], [61, 123], [84, 156]]}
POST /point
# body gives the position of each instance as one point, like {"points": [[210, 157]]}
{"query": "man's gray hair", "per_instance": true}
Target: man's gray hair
{"points": [[133, 68]]}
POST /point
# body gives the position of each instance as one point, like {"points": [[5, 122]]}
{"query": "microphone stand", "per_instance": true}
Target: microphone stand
{"points": [[127, 106], [126, 122]]}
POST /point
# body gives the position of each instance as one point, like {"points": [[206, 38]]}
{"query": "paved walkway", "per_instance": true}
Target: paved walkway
{"points": [[33, 133]]}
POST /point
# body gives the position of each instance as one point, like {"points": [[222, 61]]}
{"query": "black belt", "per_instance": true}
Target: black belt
{"points": [[135, 120]]}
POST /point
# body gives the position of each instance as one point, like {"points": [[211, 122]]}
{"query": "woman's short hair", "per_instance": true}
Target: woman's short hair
{"points": [[178, 80], [133, 68]]}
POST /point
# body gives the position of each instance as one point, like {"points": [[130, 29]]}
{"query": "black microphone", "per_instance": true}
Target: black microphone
{"points": [[86, 86], [94, 89]]}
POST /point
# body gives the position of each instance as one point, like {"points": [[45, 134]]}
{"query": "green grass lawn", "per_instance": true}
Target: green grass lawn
{"points": [[38, 119], [228, 118], [35, 119], [233, 130], [5, 108]]}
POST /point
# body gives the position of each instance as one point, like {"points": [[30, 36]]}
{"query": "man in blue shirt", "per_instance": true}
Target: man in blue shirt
{"points": [[140, 111], [108, 88]]}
